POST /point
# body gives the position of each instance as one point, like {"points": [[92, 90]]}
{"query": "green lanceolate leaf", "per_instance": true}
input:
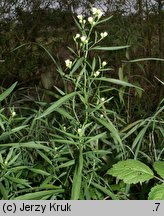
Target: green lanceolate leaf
{"points": [[64, 113], [115, 133], [157, 193], [159, 168], [18, 180], [32, 144], [145, 59], [7, 92], [77, 65], [105, 20], [39, 195], [57, 104], [131, 171], [105, 190], [76, 184], [13, 131], [109, 48], [118, 82], [3, 191]]}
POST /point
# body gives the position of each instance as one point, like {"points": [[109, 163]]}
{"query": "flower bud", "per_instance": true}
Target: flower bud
{"points": [[104, 63]]}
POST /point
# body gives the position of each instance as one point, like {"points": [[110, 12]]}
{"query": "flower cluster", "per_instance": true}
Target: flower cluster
{"points": [[84, 39], [81, 20], [91, 21], [68, 63], [97, 12], [97, 73], [103, 34]]}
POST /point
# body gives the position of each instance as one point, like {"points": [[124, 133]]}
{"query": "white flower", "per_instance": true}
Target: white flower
{"points": [[103, 34], [68, 63], [94, 10], [13, 113], [77, 36], [79, 130], [97, 12], [96, 73], [90, 20], [104, 63], [102, 99], [84, 39], [101, 116], [80, 17]]}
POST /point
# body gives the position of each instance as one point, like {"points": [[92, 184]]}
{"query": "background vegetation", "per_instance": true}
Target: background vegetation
{"points": [[62, 128]]}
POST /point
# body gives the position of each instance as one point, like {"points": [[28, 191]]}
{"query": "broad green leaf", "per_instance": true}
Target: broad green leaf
{"points": [[109, 48], [131, 171], [157, 193], [57, 104], [159, 168], [7, 92], [39, 195]]}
